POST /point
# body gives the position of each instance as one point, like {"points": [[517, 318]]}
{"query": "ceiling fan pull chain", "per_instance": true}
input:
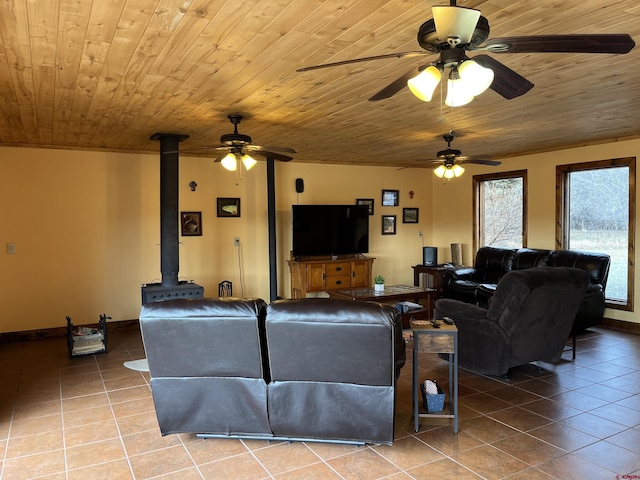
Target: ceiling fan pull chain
{"points": [[441, 119]]}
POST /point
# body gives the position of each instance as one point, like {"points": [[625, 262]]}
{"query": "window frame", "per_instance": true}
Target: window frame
{"points": [[562, 217], [478, 228]]}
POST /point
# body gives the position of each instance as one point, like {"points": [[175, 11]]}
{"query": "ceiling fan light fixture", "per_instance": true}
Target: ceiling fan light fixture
{"points": [[440, 171], [476, 78], [230, 162], [448, 173], [454, 22], [248, 162], [424, 84]]}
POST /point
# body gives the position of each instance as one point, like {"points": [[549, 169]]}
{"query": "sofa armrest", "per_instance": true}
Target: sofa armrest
{"points": [[463, 314], [482, 342], [464, 273]]}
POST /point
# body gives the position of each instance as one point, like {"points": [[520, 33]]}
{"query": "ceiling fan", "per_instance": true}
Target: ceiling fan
{"points": [[453, 32], [235, 148], [451, 159]]}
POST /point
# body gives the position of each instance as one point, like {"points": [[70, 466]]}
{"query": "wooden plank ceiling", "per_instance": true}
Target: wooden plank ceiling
{"points": [[107, 74]]}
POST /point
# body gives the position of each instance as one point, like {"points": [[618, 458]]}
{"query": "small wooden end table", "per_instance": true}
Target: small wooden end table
{"points": [[437, 274], [427, 339]]}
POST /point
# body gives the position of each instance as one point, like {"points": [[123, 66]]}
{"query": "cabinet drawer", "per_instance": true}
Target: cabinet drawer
{"points": [[336, 282], [338, 268]]}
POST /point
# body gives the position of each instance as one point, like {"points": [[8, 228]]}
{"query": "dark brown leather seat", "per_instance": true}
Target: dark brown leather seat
{"points": [[308, 369]]}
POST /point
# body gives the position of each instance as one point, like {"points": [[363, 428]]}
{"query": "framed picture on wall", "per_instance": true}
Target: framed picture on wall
{"points": [[228, 207], [366, 201], [388, 224], [409, 215], [390, 198], [191, 224]]}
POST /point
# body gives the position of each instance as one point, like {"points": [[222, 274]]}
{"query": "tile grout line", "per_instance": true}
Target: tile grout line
{"points": [[115, 420]]}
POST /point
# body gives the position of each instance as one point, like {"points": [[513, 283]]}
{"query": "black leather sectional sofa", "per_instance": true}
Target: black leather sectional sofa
{"points": [[478, 283], [310, 369]]}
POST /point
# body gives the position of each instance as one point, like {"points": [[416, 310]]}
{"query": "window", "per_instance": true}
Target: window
{"points": [[595, 209], [500, 209]]}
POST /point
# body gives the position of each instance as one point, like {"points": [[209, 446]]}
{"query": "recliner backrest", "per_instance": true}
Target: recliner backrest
{"points": [[210, 337], [327, 340], [536, 308], [530, 258], [492, 263], [595, 264]]}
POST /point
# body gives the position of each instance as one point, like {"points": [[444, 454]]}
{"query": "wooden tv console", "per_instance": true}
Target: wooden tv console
{"points": [[321, 274]]}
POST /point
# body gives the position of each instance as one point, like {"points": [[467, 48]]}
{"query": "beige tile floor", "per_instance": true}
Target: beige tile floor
{"points": [[91, 418]]}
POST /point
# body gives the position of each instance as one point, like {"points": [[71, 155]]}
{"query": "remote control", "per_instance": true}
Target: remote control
{"points": [[448, 321]]}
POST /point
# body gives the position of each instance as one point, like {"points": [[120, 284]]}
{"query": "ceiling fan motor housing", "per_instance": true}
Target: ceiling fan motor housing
{"points": [[235, 139]]}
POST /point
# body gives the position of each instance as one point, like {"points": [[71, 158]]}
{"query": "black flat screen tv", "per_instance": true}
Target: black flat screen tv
{"points": [[330, 230]]}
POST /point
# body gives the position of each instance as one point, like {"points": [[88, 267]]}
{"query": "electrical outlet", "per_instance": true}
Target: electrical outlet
{"points": [[236, 241], [420, 233]]}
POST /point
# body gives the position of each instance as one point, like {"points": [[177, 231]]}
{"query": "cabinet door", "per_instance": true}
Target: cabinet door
{"points": [[315, 277], [361, 273]]}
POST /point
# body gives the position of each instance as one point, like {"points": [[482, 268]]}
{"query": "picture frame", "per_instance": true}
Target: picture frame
{"points": [[366, 201], [191, 224], [228, 207], [410, 215], [390, 198], [388, 224]]}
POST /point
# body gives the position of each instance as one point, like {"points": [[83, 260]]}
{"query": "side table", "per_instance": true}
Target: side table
{"points": [[427, 339], [436, 273]]}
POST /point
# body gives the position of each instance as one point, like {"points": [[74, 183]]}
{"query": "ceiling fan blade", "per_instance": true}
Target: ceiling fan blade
{"points": [[258, 148], [480, 161], [411, 54], [596, 43], [506, 82], [199, 149], [422, 161], [273, 155], [395, 86]]}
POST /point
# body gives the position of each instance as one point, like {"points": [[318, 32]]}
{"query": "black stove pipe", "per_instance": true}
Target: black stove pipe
{"points": [[169, 218]]}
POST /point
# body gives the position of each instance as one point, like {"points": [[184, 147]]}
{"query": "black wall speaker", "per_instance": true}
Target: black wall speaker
{"points": [[429, 256], [299, 185]]}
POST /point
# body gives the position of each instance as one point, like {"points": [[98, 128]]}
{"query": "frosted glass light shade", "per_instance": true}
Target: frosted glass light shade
{"points": [[229, 162], [455, 22], [457, 93], [448, 172], [457, 170], [248, 162], [475, 77], [424, 84]]}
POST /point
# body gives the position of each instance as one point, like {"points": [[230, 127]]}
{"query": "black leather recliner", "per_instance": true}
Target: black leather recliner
{"points": [[528, 319]]}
